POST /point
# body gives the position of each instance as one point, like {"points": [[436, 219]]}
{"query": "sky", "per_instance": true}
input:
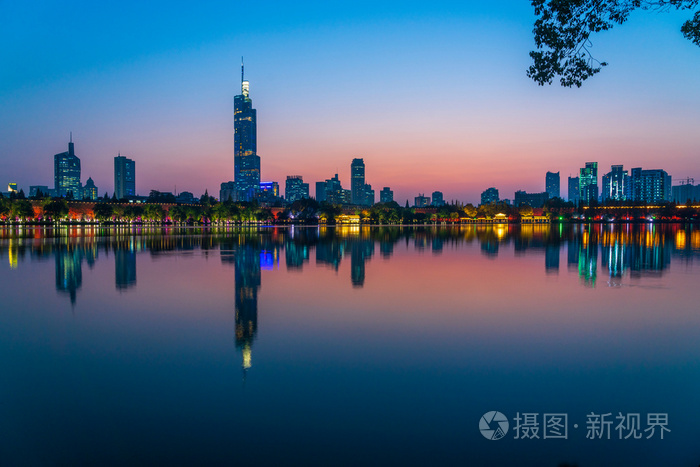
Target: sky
{"points": [[432, 95]]}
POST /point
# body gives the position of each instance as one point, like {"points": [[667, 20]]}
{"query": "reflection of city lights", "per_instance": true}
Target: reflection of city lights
{"points": [[680, 240], [12, 256], [695, 239], [500, 232], [247, 357]]}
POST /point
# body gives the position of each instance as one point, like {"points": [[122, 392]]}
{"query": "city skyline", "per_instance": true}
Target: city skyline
{"points": [[488, 128]]}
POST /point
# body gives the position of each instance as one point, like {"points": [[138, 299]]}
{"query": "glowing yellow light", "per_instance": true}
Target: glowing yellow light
{"points": [[680, 240], [247, 357]]}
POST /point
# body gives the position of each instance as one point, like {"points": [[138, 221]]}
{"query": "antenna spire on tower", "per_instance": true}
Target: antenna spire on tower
{"points": [[71, 136], [242, 78]]}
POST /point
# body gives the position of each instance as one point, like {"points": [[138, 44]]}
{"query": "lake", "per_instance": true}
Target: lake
{"points": [[465, 345]]}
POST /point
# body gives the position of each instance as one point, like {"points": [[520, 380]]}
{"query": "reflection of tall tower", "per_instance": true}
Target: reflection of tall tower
{"points": [[125, 266], [66, 170], [246, 159], [551, 258], [69, 274], [360, 251], [247, 285], [588, 258]]}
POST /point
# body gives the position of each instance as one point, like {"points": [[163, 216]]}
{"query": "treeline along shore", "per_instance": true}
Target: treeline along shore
{"points": [[18, 210]]}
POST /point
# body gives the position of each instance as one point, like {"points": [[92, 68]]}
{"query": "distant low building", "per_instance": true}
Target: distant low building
{"points": [[437, 200], [40, 190], [386, 195], [227, 191], [90, 190], [535, 200], [421, 201], [687, 191], [185, 197], [269, 192], [295, 188], [489, 195]]}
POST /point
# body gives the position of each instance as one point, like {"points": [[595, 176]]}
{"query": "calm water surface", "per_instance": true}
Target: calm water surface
{"points": [[348, 346]]}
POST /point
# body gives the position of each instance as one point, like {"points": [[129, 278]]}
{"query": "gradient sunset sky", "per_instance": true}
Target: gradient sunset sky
{"points": [[433, 95]]}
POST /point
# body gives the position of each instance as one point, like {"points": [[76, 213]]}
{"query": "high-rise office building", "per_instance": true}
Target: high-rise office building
{"points": [[295, 188], [649, 186], [437, 199], [588, 182], [574, 193], [386, 195], [357, 182], [614, 184], [246, 159], [552, 184], [124, 177], [66, 172], [335, 193], [489, 195], [320, 191]]}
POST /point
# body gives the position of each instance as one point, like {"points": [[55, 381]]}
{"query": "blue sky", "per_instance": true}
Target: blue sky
{"points": [[433, 95]]}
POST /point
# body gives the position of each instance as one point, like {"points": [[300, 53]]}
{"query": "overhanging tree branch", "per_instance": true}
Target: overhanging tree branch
{"points": [[563, 28]]}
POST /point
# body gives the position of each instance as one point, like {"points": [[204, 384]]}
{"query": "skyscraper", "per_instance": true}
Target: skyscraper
{"points": [[574, 194], [437, 199], [552, 184], [66, 172], [650, 186], [124, 177], [588, 182], [246, 159], [357, 182], [614, 184]]}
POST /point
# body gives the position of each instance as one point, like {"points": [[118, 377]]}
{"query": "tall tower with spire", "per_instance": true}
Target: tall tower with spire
{"points": [[246, 159], [66, 170]]}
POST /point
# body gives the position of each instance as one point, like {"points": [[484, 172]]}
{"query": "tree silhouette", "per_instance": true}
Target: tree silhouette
{"points": [[563, 29]]}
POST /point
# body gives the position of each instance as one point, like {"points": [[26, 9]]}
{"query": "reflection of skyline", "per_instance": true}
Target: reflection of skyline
{"points": [[125, 266], [631, 250]]}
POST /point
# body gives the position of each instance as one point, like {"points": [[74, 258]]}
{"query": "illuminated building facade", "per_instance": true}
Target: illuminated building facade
{"points": [[552, 184], [489, 195], [386, 195], [421, 201], [574, 193], [124, 177], [588, 182], [295, 188], [437, 199], [649, 186], [246, 159], [90, 190], [66, 170], [614, 184]]}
